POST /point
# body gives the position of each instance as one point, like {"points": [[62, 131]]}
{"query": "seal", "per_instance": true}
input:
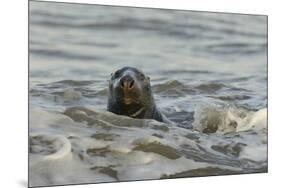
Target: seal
{"points": [[130, 95]]}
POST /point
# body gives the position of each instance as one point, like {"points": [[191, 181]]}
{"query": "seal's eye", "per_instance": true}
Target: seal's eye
{"points": [[117, 73], [141, 76]]}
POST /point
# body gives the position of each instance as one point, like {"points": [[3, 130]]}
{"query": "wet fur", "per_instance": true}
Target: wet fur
{"points": [[144, 108]]}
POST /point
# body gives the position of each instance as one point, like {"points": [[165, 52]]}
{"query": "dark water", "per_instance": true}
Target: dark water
{"points": [[208, 72]]}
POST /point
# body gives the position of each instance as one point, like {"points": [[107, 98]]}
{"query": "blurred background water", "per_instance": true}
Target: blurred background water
{"points": [[221, 55], [191, 57]]}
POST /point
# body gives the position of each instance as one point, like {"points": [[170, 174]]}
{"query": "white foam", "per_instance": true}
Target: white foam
{"points": [[82, 156], [70, 94], [257, 121], [213, 119]]}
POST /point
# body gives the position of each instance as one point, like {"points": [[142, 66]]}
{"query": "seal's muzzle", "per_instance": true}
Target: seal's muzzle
{"points": [[127, 83]]}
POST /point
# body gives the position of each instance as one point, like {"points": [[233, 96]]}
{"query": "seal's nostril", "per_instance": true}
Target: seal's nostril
{"points": [[127, 82], [131, 84]]}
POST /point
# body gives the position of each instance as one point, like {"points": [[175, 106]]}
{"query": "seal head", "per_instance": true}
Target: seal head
{"points": [[130, 94]]}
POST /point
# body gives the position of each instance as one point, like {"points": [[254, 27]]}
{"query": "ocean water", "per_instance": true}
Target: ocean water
{"points": [[208, 73]]}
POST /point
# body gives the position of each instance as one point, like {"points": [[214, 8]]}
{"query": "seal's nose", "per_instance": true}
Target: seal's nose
{"points": [[127, 82]]}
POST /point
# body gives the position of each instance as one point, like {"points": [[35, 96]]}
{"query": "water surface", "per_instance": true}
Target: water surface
{"points": [[208, 73]]}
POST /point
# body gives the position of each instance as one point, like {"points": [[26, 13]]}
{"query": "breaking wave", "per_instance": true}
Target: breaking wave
{"points": [[91, 145]]}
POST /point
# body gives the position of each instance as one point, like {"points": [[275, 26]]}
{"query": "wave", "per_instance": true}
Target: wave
{"points": [[175, 86], [49, 147], [235, 48], [214, 119], [56, 53], [83, 144]]}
